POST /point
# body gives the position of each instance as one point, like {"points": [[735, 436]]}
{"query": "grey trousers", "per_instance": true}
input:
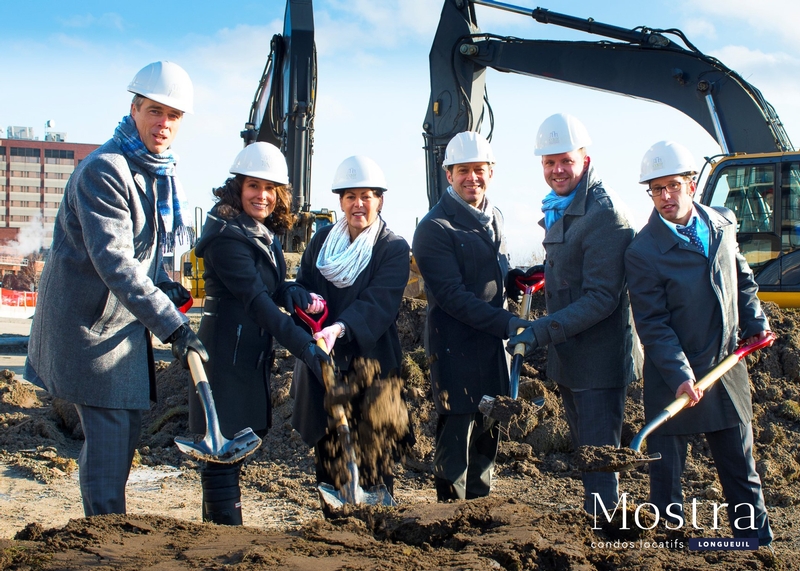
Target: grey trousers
{"points": [[463, 462], [595, 418], [104, 463], [732, 450]]}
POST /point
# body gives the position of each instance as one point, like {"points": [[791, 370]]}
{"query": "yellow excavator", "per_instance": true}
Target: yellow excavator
{"points": [[757, 173]]}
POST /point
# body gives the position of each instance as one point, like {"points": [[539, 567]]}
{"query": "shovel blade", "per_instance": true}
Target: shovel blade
{"points": [[375, 496], [244, 443], [628, 466]]}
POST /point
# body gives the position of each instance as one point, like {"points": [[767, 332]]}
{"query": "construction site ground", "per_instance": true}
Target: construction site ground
{"points": [[532, 519]]}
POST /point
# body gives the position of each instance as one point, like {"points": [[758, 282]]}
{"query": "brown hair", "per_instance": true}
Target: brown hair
{"points": [[229, 204]]}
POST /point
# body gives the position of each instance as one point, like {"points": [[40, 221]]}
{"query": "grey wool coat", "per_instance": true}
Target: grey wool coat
{"points": [[588, 326], [467, 320], [244, 281], [690, 312], [89, 340]]}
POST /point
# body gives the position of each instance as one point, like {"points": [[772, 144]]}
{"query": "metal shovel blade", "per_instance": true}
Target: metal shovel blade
{"points": [[219, 449], [214, 447], [375, 496]]}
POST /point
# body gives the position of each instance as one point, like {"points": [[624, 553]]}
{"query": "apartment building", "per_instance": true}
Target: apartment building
{"points": [[33, 175]]}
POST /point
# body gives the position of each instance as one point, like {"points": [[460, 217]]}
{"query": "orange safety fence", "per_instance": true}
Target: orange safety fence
{"points": [[13, 298]]}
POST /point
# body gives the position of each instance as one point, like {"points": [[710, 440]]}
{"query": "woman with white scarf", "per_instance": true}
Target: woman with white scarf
{"points": [[360, 268]]}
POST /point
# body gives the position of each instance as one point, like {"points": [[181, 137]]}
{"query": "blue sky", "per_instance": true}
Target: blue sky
{"points": [[70, 62]]}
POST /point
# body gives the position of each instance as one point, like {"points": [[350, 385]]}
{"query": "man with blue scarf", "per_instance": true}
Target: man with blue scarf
{"points": [[588, 327], [104, 289]]}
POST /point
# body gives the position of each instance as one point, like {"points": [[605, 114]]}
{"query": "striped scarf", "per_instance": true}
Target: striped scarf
{"points": [[170, 198]]}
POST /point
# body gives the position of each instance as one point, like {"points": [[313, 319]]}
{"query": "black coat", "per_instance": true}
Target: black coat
{"points": [[464, 271], [244, 277], [690, 312], [369, 310]]}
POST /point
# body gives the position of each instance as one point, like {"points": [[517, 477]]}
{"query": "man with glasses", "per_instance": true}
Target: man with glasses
{"points": [[693, 298]]}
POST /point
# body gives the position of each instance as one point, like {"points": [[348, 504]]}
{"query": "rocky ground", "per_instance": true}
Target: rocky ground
{"points": [[532, 519]]}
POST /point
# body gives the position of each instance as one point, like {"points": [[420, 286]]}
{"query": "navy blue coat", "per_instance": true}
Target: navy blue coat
{"points": [[244, 278], [467, 320], [690, 311], [368, 308]]}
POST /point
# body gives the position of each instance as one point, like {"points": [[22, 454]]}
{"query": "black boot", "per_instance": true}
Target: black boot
{"points": [[222, 498]]}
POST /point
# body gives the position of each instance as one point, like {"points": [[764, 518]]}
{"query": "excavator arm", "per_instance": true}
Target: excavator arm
{"points": [[282, 112], [643, 63]]}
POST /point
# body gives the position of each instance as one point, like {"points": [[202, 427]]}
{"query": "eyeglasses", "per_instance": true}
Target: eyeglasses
{"points": [[673, 187]]}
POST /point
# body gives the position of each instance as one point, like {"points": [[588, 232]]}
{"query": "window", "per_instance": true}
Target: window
{"points": [[26, 153], [750, 192]]}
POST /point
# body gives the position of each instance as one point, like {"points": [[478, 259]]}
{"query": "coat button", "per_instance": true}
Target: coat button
{"points": [[554, 325], [550, 262], [549, 295]]}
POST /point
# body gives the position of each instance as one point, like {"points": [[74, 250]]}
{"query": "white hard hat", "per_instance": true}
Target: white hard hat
{"points": [[561, 133], [666, 158], [468, 147], [358, 172], [167, 83], [261, 160]]}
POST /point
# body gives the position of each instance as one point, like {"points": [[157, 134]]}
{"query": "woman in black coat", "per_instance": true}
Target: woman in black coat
{"points": [[244, 283], [360, 268]]}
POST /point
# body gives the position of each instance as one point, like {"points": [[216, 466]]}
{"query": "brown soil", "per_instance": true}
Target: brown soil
{"points": [[532, 520]]}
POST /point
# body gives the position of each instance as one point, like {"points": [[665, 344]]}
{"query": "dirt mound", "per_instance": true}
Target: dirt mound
{"points": [[531, 521], [489, 533]]}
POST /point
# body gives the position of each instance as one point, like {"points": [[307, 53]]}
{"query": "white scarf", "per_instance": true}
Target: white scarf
{"points": [[341, 261]]}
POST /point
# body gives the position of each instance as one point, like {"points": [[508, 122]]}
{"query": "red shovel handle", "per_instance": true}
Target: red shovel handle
{"points": [[314, 324], [530, 284], [186, 306], [747, 349]]}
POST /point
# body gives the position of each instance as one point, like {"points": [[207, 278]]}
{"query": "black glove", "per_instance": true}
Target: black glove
{"points": [[313, 355], [527, 337], [295, 294], [512, 289], [184, 339], [176, 293], [515, 323]]}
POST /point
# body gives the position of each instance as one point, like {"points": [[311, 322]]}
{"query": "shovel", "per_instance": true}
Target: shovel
{"points": [[488, 405], [625, 463], [351, 492], [214, 447]]}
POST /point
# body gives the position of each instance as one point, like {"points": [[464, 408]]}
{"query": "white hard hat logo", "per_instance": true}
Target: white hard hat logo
{"points": [[351, 174], [658, 164]]}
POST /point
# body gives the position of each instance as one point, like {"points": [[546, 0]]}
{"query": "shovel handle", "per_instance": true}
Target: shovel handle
{"points": [[714, 374], [314, 324], [196, 367], [523, 282]]}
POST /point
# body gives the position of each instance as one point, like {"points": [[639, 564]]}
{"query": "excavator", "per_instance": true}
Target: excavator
{"points": [[757, 173], [282, 113]]}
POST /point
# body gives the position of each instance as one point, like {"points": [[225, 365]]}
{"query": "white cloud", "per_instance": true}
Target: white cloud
{"points": [[108, 20]]}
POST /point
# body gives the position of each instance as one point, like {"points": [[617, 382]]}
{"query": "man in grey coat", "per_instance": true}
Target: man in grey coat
{"points": [[104, 288], [588, 327], [693, 298], [460, 249]]}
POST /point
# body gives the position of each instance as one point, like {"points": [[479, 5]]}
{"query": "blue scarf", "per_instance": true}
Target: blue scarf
{"points": [[554, 206], [170, 198]]}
